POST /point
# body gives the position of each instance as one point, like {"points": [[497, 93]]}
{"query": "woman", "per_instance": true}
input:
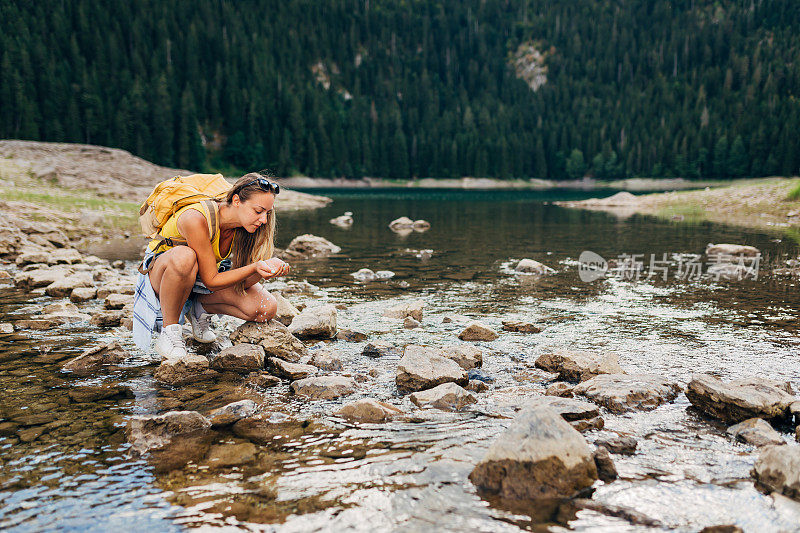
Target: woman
{"points": [[207, 276]]}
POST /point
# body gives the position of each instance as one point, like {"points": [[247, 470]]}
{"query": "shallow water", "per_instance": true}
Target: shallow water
{"points": [[412, 475]]}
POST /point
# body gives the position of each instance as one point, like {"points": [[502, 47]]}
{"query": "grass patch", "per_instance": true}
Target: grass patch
{"points": [[794, 193], [687, 212]]}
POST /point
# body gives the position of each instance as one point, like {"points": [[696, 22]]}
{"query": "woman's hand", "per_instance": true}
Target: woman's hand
{"points": [[272, 268]]}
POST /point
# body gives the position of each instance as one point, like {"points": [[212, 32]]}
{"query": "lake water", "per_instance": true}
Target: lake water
{"points": [[78, 474]]}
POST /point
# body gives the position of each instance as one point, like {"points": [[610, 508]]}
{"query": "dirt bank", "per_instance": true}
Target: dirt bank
{"points": [[758, 203]]}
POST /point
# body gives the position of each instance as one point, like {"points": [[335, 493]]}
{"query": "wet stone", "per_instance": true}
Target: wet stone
{"points": [[350, 335], [606, 470], [755, 431], [447, 396], [326, 360], [324, 387], [578, 366], [93, 359], [520, 327], [65, 255], [6, 328], [309, 246], [627, 392], [82, 294], [292, 371], [64, 286], [229, 455], [479, 375], [108, 319], [778, 469], [38, 324], [619, 444], [261, 380], [146, 432], [273, 336], [466, 355], [476, 385], [264, 427], [424, 367], [738, 400], [190, 369], [531, 266], [241, 358], [379, 349], [117, 301], [286, 311], [233, 412], [90, 393], [368, 410], [401, 311], [560, 388], [315, 323], [411, 323], [477, 331], [727, 528]]}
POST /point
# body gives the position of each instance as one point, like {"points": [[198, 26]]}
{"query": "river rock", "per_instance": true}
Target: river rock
{"points": [[146, 432], [121, 288], [95, 393], [731, 251], [264, 427], [261, 380], [38, 324], [477, 331], [364, 274], [380, 349], [578, 366], [63, 287], [67, 256], [606, 470], [42, 277], [401, 224], [326, 360], [571, 410], [350, 335], [241, 358], [412, 309], [424, 367], [286, 311], [190, 369], [232, 413], [292, 371], [33, 257], [564, 390], [531, 266], [520, 327], [466, 355], [6, 328], [82, 294], [618, 444], [93, 359], [736, 401], [315, 323], [368, 410], [447, 396], [324, 387], [343, 221], [308, 246], [627, 392], [476, 385], [229, 455], [778, 469], [411, 323], [117, 301], [273, 336], [107, 319], [539, 456], [755, 431]]}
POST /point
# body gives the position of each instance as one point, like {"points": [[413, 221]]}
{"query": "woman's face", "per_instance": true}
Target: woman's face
{"points": [[253, 211]]}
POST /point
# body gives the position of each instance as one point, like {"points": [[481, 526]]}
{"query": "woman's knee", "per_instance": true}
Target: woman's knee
{"points": [[183, 261], [261, 305]]}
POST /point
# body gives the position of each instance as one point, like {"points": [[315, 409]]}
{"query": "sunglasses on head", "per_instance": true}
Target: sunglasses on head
{"points": [[264, 184]]}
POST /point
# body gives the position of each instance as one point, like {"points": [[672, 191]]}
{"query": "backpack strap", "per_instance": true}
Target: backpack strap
{"points": [[213, 217]]}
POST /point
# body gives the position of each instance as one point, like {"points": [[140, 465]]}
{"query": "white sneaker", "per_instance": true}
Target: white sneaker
{"points": [[169, 344], [201, 328]]}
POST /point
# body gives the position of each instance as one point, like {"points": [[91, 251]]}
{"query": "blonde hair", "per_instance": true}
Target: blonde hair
{"points": [[250, 247]]}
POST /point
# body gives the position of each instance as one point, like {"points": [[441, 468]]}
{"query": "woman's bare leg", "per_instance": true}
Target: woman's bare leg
{"points": [[172, 277]]}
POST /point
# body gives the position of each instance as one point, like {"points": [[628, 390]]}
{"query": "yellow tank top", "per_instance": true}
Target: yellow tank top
{"points": [[170, 230]]}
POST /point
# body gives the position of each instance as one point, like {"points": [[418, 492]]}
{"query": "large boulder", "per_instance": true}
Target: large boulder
{"points": [[738, 400], [627, 392], [778, 469], [578, 366], [324, 387], [190, 369], [476, 331], [412, 309], [146, 432], [466, 355], [315, 323], [539, 457], [93, 359], [307, 246], [755, 431], [424, 367], [447, 396], [242, 358], [368, 410], [273, 336]]}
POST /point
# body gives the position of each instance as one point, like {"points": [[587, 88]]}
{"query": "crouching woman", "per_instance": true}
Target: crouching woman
{"points": [[190, 273]]}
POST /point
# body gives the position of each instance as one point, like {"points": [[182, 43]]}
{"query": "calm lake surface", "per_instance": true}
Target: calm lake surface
{"points": [[78, 474]]}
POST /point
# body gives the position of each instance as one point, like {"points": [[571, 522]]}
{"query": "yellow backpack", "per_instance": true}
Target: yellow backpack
{"points": [[172, 194]]}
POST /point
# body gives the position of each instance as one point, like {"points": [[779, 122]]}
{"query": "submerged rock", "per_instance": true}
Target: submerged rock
{"points": [[738, 400], [466, 355], [324, 387], [233, 412], [273, 336], [447, 396], [369, 410], [412, 309], [778, 469], [146, 432], [380, 349], [228, 455], [578, 366], [477, 331], [315, 323], [95, 393], [540, 456], [520, 327], [627, 392], [424, 367], [755, 431], [241, 358], [261, 380], [93, 359]]}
